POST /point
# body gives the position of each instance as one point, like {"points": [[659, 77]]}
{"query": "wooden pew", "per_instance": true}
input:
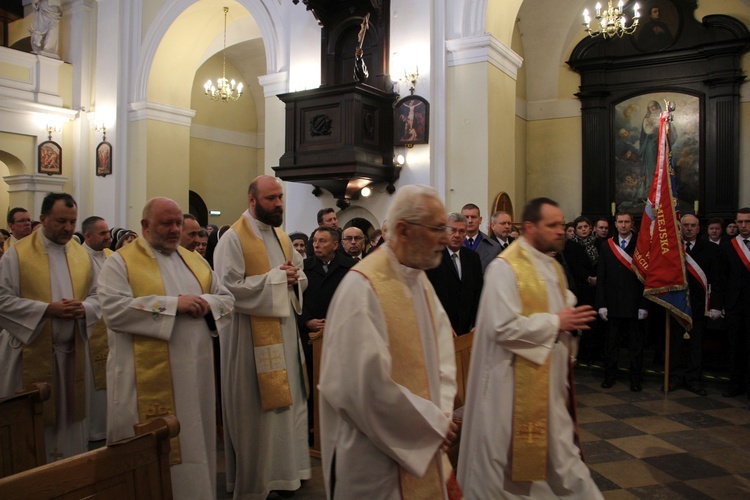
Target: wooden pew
{"points": [[462, 346], [22, 430], [135, 468]]}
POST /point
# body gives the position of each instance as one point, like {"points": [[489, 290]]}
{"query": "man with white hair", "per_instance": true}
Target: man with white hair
{"points": [[388, 370]]}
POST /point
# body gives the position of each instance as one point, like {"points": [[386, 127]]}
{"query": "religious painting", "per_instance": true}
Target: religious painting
{"points": [[104, 159], [658, 25], [636, 132], [412, 116], [50, 158]]}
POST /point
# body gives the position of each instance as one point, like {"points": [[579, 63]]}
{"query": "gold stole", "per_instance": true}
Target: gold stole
{"points": [[270, 366], [153, 374], [99, 348], [39, 356], [530, 410], [407, 356], [8, 243]]}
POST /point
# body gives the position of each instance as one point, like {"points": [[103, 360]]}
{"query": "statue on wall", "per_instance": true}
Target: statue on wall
{"points": [[360, 68], [45, 33]]}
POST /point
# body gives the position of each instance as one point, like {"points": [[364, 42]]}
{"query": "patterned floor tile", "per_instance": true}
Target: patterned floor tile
{"points": [[733, 415], [586, 415], [599, 399], [624, 410], [733, 460], [684, 466], [671, 491], [698, 420], [632, 473], [736, 435], [725, 487], [656, 424], [703, 403], [693, 441], [663, 406], [603, 451], [603, 483], [611, 430], [645, 446]]}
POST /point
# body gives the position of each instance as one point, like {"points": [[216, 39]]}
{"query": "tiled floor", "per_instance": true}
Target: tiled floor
{"points": [[646, 445]]}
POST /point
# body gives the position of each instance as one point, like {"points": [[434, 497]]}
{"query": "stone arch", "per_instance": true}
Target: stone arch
{"points": [[266, 13], [351, 213]]}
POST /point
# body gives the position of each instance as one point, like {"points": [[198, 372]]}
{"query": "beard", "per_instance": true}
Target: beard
{"points": [[273, 217]]}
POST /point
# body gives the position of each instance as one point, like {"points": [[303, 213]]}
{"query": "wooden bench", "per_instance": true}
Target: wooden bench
{"points": [[22, 430], [135, 468]]}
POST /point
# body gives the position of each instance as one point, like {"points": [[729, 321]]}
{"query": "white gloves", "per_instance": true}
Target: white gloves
{"points": [[714, 314], [603, 313], [642, 314]]}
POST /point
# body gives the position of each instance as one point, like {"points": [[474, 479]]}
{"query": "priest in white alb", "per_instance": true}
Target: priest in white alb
{"points": [[518, 438], [264, 395], [162, 305], [48, 306], [97, 239], [387, 380]]}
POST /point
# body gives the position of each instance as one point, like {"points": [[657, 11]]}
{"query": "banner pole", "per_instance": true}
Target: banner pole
{"points": [[666, 353]]}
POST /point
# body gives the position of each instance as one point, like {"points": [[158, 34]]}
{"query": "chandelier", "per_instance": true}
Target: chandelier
{"points": [[611, 21], [224, 90]]}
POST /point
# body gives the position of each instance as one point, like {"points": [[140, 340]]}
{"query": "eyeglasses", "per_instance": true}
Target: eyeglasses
{"points": [[21, 221], [353, 238], [435, 229]]}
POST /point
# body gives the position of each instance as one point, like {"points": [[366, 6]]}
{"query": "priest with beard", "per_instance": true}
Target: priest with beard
{"points": [[264, 391]]}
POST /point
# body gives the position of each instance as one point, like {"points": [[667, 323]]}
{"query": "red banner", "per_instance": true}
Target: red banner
{"points": [[659, 258]]}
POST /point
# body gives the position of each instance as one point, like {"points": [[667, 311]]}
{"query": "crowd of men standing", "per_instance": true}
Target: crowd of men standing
{"points": [[124, 337]]}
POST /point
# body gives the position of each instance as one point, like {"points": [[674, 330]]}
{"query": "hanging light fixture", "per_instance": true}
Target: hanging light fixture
{"points": [[224, 90], [611, 21]]}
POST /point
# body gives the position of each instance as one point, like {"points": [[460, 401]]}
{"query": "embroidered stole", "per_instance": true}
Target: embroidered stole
{"points": [[407, 357], [35, 284], [99, 348], [270, 364], [531, 388], [153, 374]]}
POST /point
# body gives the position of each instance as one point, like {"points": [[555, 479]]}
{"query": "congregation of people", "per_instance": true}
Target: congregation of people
{"points": [[215, 326]]}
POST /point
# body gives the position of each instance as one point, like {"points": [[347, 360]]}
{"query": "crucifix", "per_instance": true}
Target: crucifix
{"points": [[360, 68]]}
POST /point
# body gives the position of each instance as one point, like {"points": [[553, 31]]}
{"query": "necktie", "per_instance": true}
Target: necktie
{"points": [[356, 259], [455, 263], [688, 246], [325, 268], [624, 244], [471, 242], [747, 244]]}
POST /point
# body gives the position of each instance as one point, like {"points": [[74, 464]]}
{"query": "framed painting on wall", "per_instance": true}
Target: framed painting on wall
{"points": [[104, 159], [636, 130], [412, 120], [49, 158]]}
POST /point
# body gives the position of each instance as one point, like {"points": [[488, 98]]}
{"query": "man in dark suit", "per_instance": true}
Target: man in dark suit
{"points": [[500, 226], [324, 270], [736, 257], [487, 248], [702, 258], [619, 297], [458, 279]]}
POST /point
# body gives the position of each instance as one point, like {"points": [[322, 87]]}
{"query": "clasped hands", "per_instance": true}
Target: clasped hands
{"points": [[292, 272], [193, 305], [65, 309], [451, 436]]}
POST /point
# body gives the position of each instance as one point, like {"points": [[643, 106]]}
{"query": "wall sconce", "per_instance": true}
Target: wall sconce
{"points": [[101, 127], [399, 160], [365, 192], [52, 128], [411, 78]]}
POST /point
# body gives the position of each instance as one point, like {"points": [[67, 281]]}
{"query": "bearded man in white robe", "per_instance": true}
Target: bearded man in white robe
{"points": [[264, 395], [97, 239], [162, 305], [518, 438], [387, 380], [47, 308]]}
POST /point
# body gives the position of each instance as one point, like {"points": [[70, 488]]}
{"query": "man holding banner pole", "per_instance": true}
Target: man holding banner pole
{"points": [[702, 261], [659, 257]]}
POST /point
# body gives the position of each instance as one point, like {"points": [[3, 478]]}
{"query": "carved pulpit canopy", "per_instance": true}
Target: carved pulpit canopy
{"points": [[339, 137]]}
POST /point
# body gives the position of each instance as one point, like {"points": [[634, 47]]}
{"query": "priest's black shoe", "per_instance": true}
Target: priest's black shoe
{"points": [[607, 384], [636, 387], [733, 391]]}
